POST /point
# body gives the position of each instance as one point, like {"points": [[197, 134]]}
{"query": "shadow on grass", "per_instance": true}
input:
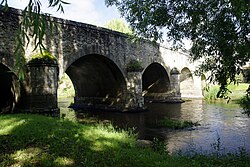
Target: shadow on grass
{"points": [[35, 140], [43, 141]]}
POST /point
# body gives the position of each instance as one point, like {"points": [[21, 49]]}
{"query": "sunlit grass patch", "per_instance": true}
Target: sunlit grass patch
{"points": [[237, 91], [46, 141], [64, 161], [6, 126], [105, 137], [28, 155], [54, 138], [240, 86]]}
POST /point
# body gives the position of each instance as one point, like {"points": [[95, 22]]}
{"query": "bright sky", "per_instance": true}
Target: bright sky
{"points": [[86, 11]]}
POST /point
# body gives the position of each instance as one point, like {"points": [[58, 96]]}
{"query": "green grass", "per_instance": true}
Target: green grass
{"points": [[211, 93], [238, 91], [238, 87], [175, 124], [35, 140]]}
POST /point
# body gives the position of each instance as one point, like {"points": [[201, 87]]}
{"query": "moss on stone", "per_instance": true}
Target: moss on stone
{"points": [[134, 66], [43, 57]]}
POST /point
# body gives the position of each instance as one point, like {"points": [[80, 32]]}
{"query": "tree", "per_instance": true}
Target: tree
{"points": [[119, 25], [33, 22], [219, 31]]}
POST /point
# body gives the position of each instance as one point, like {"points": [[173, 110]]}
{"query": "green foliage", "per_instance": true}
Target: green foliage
{"points": [[159, 146], [210, 93], [44, 56], [119, 25], [66, 88], [134, 66], [246, 74], [219, 31], [175, 124], [245, 102]]}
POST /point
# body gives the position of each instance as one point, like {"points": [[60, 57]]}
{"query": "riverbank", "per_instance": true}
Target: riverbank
{"points": [[35, 140], [237, 92]]}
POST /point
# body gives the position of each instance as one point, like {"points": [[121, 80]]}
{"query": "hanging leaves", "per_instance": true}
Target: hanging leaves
{"points": [[34, 25]]}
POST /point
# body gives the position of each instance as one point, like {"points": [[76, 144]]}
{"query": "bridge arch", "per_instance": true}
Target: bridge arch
{"points": [[96, 78], [10, 89], [155, 79], [186, 82]]}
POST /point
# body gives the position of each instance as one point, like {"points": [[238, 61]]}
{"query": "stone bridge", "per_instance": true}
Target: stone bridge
{"points": [[107, 68]]}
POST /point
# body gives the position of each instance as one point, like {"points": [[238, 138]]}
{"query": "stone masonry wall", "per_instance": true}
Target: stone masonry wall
{"points": [[73, 40], [9, 23]]}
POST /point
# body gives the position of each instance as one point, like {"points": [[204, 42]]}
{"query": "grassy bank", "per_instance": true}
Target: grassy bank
{"points": [[238, 91], [34, 140]]}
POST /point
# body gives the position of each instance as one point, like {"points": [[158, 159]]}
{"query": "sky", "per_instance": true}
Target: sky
{"points": [[86, 11]]}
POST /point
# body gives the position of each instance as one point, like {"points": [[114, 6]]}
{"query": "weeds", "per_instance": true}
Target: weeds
{"points": [[159, 146], [176, 124], [210, 93], [245, 102]]}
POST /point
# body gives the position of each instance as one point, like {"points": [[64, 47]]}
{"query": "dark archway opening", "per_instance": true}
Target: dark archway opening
{"points": [[155, 79], [96, 79], [9, 90]]}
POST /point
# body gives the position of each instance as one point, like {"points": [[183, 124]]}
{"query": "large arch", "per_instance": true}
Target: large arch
{"points": [[96, 79], [155, 79], [186, 83], [10, 89]]}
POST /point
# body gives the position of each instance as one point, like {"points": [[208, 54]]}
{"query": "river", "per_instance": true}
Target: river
{"points": [[222, 127]]}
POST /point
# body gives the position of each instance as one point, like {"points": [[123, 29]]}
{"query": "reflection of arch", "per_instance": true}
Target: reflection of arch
{"points": [[155, 79], [9, 88], [186, 83], [95, 76]]}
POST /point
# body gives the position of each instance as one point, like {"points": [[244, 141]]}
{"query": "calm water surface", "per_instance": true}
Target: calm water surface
{"points": [[223, 128]]}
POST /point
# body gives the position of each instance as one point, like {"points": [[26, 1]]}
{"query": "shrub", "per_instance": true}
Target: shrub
{"points": [[245, 102], [210, 93], [246, 75], [134, 66], [176, 124]]}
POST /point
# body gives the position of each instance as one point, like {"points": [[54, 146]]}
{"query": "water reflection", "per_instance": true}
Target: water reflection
{"points": [[221, 129]]}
